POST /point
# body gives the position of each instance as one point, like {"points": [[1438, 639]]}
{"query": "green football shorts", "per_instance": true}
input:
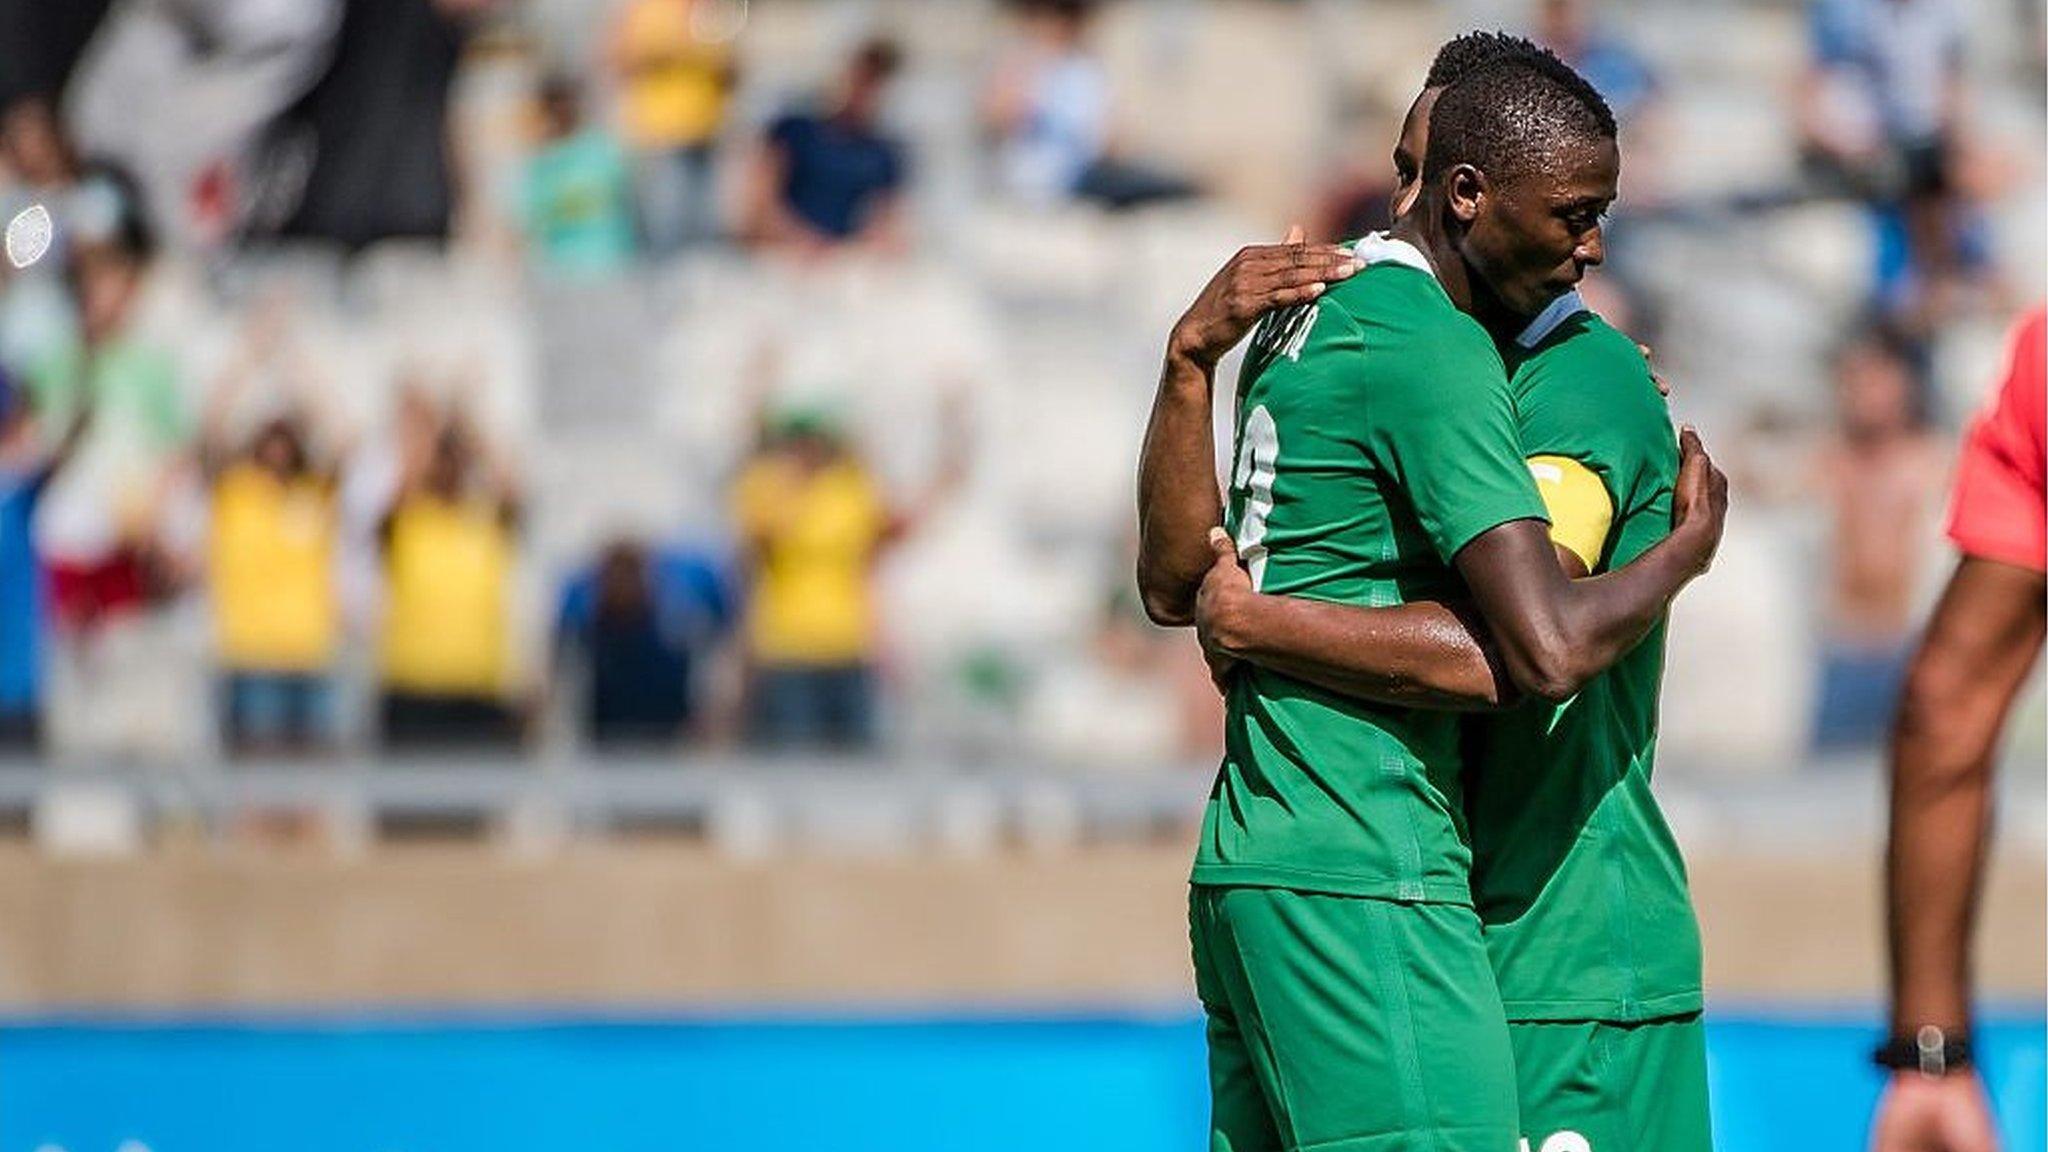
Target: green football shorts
{"points": [[1588, 1086], [1347, 1024]]}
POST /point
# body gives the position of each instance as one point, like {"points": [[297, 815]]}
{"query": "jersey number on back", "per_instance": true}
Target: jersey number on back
{"points": [[1258, 457]]}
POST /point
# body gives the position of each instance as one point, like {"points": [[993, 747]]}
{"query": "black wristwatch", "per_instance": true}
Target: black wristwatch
{"points": [[1930, 1051]]}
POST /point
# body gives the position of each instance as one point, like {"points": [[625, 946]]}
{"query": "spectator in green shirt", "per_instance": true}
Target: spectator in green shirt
{"points": [[99, 525], [578, 195]]}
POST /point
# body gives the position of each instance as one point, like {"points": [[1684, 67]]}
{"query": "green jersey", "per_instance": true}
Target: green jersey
{"points": [[1375, 438], [1575, 874]]}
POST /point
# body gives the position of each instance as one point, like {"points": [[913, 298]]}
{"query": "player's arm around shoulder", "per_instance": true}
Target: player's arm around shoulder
{"points": [[1555, 633], [1423, 654], [1177, 498], [1401, 397]]}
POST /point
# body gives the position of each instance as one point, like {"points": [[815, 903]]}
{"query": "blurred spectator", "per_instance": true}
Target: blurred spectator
{"points": [[1138, 698], [676, 75], [88, 202], [1880, 100], [35, 310], [277, 618], [1881, 477], [1358, 196], [1884, 114], [1574, 30], [643, 624], [1880, 118], [813, 523], [1619, 72], [181, 93], [38, 152], [369, 487], [371, 137], [449, 546], [101, 527], [26, 468], [823, 180], [1048, 106], [578, 211], [41, 43]]}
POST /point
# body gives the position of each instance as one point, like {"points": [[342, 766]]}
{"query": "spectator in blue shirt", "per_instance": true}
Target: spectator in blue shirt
{"points": [[1618, 71], [825, 181], [26, 468], [641, 623], [1048, 105], [1881, 119]]}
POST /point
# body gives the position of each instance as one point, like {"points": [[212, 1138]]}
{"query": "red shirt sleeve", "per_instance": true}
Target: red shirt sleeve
{"points": [[1998, 510]]}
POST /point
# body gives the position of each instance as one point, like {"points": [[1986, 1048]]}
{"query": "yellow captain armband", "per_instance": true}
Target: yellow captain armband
{"points": [[1580, 509]]}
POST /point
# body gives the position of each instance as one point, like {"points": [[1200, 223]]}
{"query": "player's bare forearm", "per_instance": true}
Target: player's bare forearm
{"points": [[1555, 633], [1420, 655], [1178, 501], [1424, 654], [1979, 647]]}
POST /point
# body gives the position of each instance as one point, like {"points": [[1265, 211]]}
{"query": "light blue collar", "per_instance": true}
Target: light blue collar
{"points": [[1560, 310]]}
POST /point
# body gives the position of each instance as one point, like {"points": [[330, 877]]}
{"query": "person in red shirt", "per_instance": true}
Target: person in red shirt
{"points": [[1997, 513], [1977, 652]]}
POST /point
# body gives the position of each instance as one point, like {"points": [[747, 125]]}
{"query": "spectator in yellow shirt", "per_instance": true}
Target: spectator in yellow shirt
{"points": [[813, 522], [270, 566], [674, 63], [450, 545]]}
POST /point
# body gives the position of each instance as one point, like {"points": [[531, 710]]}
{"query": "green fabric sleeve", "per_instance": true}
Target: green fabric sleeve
{"points": [[1445, 425]]}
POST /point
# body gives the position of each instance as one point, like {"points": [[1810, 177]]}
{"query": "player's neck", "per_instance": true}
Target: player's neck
{"points": [[1497, 318], [1424, 228]]}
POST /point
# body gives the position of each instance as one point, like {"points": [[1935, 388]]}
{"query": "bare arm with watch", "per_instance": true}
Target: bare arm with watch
{"points": [[1979, 647], [1973, 660]]}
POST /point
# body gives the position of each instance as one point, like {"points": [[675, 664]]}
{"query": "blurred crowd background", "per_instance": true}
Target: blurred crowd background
{"points": [[716, 421], [673, 374]]}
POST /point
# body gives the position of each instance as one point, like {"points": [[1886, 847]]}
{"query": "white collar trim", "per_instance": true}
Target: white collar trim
{"points": [[1382, 248], [1560, 310]]}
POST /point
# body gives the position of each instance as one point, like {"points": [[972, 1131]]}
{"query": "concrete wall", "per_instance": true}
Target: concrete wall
{"points": [[647, 924]]}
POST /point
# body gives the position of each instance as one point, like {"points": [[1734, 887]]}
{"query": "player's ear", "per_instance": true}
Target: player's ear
{"points": [[1464, 189]]}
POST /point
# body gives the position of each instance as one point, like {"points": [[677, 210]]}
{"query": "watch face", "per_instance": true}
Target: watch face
{"points": [[29, 235], [1929, 1052]]}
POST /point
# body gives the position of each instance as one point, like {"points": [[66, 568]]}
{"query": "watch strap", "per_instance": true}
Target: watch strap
{"points": [[1929, 1051]]}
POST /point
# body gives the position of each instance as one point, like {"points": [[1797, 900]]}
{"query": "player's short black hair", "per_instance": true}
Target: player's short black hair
{"points": [[1464, 55], [1514, 116]]}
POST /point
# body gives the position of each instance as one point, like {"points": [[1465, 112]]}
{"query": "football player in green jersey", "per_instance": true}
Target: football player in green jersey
{"points": [[1350, 1001]]}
